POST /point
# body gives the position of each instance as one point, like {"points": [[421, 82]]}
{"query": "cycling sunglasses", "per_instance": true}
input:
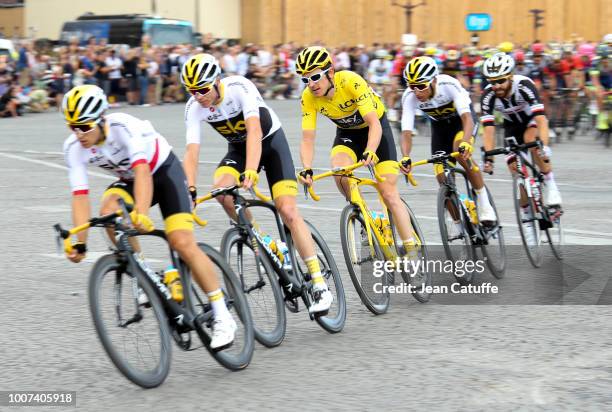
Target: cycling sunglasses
{"points": [[498, 81], [83, 128], [419, 87], [202, 90], [315, 77]]}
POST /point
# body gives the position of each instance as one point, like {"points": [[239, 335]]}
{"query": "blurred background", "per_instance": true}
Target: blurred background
{"points": [[134, 49]]}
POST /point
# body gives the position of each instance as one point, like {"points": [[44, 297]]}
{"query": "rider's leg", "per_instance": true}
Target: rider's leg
{"points": [[542, 160], [343, 156]]}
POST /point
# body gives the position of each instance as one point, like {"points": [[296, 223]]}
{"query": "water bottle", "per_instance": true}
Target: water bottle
{"points": [[284, 251], [377, 218], [173, 280], [387, 231], [473, 213]]}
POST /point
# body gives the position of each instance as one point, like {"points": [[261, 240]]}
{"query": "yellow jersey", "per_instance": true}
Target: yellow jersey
{"points": [[352, 100]]}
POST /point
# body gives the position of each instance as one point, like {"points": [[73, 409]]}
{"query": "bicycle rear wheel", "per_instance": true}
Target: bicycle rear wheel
{"points": [[495, 249], [527, 223], [423, 277], [360, 259], [239, 355], [453, 230], [135, 335], [334, 321], [260, 285]]}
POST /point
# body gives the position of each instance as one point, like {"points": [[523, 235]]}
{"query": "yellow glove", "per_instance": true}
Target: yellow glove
{"points": [[467, 148], [369, 155], [251, 174], [142, 222]]}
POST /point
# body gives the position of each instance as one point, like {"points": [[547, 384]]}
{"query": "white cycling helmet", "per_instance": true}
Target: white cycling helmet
{"points": [[498, 65], [421, 69], [84, 104], [607, 39], [200, 70]]}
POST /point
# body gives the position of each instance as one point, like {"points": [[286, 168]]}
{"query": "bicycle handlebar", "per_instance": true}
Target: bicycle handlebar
{"points": [[105, 220], [512, 148], [442, 157], [219, 192], [344, 170]]}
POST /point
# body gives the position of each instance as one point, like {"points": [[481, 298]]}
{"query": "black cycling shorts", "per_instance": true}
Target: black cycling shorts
{"points": [[353, 142], [169, 191], [275, 160]]}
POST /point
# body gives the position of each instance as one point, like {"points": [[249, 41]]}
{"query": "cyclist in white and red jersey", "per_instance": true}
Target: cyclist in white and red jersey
{"points": [[149, 173]]}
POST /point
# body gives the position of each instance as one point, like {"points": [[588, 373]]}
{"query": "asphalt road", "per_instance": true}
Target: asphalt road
{"points": [[435, 356]]}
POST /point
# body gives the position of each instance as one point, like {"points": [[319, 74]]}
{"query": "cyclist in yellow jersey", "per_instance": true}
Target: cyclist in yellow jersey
{"points": [[363, 131]]}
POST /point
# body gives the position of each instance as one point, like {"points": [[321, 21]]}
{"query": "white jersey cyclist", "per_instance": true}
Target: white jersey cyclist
{"points": [[129, 142], [450, 101], [240, 100]]}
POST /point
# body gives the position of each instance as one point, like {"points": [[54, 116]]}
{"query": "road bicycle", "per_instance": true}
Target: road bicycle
{"points": [[135, 315]]}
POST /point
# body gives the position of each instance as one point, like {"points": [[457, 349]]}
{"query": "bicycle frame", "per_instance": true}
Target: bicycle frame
{"points": [[180, 314], [241, 204], [357, 200]]}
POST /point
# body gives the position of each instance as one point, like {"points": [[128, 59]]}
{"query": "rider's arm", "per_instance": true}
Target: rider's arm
{"points": [[309, 124], [143, 187], [529, 92], [248, 97], [468, 126], [307, 148], [253, 143], [368, 108], [487, 106], [408, 113], [374, 131], [77, 174], [190, 163], [81, 213], [192, 136], [462, 102]]}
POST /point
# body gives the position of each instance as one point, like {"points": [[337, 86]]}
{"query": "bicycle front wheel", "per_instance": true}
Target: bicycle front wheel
{"points": [[527, 223], [495, 249], [453, 230], [363, 261], [130, 321], [239, 355], [260, 285], [555, 233]]}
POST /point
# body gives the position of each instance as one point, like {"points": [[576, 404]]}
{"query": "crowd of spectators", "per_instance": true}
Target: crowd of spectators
{"points": [[36, 78]]}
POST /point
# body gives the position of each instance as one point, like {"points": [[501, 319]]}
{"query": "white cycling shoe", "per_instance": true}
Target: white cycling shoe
{"points": [[223, 333], [552, 196], [486, 212], [323, 299]]}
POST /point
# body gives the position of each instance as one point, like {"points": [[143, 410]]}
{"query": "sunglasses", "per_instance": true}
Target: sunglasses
{"points": [[315, 77], [419, 87], [83, 128], [202, 90], [498, 81]]}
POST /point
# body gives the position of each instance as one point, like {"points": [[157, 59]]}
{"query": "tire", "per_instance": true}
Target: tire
{"points": [[334, 321], [423, 278], [377, 303], [239, 355], [262, 290], [534, 252], [496, 262], [123, 292], [460, 241], [555, 234]]}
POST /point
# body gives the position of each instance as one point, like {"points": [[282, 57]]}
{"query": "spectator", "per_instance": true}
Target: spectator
{"points": [[114, 64]]}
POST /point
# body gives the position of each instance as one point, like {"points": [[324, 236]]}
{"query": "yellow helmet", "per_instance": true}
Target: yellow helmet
{"points": [[431, 51], [200, 70], [505, 47], [84, 104], [421, 69], [312, 58]]}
